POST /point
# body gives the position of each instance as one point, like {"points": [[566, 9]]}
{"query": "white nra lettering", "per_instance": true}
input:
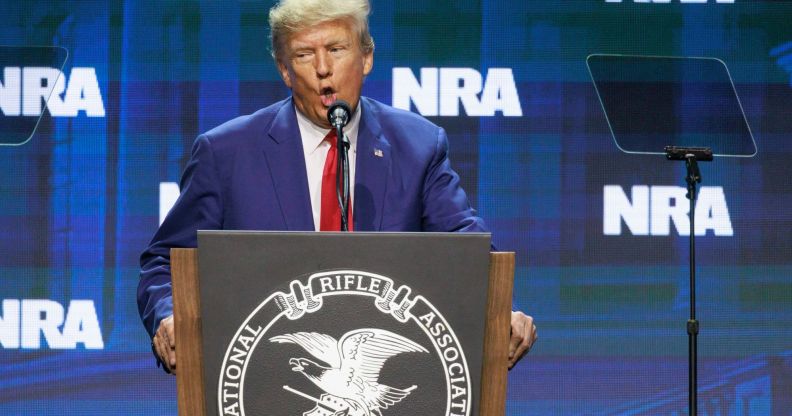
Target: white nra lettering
{"points": [[652, 210], [9, 91], [23, 92], [24, 322], [440, 91], [168, 194]]}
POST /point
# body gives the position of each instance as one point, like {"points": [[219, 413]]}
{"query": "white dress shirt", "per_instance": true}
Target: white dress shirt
{"points": [[315, 150]]}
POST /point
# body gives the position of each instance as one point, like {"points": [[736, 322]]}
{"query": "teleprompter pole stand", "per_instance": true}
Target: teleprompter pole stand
{"points": [[691, 156]]}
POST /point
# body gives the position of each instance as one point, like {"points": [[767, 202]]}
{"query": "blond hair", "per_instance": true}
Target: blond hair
{"points": [[291, 16]]}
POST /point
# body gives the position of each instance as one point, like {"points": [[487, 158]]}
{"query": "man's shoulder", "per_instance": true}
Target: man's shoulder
{"points": [[408, 133], [248, 127], [396, 119]]}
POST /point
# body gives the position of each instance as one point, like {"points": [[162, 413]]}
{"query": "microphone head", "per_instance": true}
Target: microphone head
{"points": [[339, 113]]}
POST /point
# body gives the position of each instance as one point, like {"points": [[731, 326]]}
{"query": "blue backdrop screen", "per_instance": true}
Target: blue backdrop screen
{"points": [[601, 236]]}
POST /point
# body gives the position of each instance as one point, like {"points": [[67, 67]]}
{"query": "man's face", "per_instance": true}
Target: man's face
{"points": [[323, 63]]}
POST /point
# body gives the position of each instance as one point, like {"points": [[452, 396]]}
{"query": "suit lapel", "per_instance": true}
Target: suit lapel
{"points": [[284, 152], [372, 169]]}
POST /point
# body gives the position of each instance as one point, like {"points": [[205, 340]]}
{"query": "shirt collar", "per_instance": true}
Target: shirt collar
{"points": [[313, 135]]}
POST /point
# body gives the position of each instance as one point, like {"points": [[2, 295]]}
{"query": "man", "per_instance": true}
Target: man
{"points": [[265, 171]]}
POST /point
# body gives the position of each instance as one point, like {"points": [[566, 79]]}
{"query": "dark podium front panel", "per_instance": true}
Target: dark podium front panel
{"points": [[342, 324]]}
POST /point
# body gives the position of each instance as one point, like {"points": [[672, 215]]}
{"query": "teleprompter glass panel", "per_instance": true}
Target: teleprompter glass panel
{"points": [[652, 102]]}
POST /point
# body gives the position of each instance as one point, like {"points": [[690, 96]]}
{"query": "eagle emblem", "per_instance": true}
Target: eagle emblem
{"points": [[349, 369]]}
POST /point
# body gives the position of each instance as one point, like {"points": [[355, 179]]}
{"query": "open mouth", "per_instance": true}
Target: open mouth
{"points": [[295, 363], [328, 96]]}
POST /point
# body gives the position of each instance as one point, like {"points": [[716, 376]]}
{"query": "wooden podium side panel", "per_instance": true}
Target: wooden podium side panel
{"points": [[496, 347], [187, 323]]}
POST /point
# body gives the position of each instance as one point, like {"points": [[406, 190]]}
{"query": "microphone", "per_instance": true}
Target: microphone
{"points": [[339, 114]]}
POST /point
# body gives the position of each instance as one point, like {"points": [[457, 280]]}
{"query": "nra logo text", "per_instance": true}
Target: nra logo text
{"points": [[652, 209], [26, 322], [440, 91], [24, 90]]}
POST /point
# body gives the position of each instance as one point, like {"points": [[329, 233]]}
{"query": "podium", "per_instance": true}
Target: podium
{"points": [[277, 335]]}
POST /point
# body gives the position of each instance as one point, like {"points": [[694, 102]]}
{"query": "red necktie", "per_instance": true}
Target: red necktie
{"points": [[330, 218]]}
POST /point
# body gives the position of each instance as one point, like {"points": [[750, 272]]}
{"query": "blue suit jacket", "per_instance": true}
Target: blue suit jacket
{"points": [[249, 174]]}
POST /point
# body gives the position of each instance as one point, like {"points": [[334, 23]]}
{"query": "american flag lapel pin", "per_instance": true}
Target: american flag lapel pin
{"points": [[378, 152]]}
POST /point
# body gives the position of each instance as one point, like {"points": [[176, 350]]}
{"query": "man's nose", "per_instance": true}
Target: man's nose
{"points": [[324, 65]]}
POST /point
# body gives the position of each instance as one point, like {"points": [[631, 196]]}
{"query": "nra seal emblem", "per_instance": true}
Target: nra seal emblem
{"points": [[344, 343]]}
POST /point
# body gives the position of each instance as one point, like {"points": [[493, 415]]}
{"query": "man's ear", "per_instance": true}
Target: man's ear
{"points": [[368, 62], [283, 70]]}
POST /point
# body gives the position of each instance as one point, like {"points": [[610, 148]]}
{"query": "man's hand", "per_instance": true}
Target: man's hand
{"points": [[165, 344], [523, 335]]}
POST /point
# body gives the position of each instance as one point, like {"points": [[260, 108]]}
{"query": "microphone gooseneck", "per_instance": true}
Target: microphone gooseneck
{"points": [[338, 114]]}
